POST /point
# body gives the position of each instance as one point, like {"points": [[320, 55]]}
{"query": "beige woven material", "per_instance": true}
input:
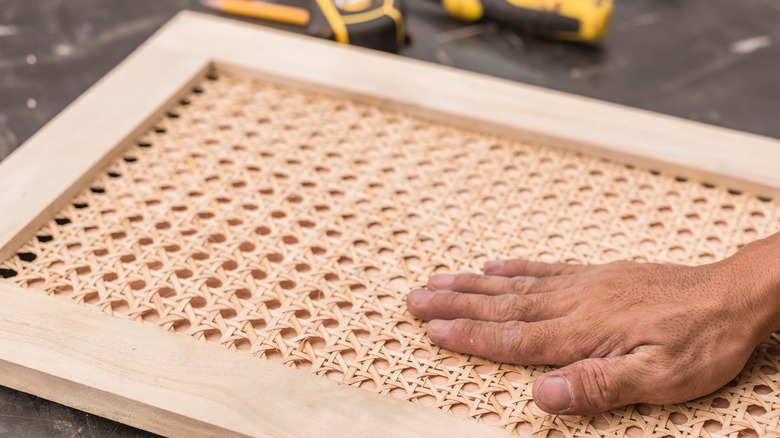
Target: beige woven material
{"points": [[291, 226]]}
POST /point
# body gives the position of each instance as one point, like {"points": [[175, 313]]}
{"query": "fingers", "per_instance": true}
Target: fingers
{"points": [[514, 268], [428, 305], [498, 285], [512, 342], [591, 386]]}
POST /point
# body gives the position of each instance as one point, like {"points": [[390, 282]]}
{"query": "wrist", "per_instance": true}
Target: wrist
{"points": [[756, 269]]}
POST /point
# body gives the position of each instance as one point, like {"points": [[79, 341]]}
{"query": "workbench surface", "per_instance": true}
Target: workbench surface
{"points": [[708, 60]]}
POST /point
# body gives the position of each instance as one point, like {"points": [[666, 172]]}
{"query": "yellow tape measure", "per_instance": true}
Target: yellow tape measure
{"points": [[576, 20]]}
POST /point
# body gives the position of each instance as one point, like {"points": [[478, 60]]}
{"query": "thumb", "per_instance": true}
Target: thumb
{"points": [[591, 386]]}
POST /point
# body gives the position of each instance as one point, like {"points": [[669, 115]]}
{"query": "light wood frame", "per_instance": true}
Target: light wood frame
{"points": [[134, 373]]}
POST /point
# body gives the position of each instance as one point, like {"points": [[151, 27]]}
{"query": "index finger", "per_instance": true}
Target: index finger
{"points": [[526, 268], [522, 343], [497, 284]]}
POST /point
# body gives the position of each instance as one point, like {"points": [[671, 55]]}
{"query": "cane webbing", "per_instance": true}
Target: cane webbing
{"points": [[291, 226]]}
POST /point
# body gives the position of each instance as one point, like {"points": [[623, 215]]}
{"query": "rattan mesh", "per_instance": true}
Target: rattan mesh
{"points": [[291, 226]]}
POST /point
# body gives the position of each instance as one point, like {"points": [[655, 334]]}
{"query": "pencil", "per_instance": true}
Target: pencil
{"points": [[261, 10]]}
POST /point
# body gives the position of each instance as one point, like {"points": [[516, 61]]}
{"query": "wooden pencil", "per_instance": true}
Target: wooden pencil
{"points": [[262, 10]]}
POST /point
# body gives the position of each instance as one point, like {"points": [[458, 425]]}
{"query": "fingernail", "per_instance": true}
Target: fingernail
{"points": [[439, 326], [420, 297], [493, 265], [441, 280], [555, 394]]}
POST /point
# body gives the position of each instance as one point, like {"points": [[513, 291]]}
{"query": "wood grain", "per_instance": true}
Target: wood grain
{"points": [[89, 132], [175, 386], [694, 150]]}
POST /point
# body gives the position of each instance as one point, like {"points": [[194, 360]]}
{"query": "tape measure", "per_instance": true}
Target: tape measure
{"points": [[377, 24], [575, 20]]}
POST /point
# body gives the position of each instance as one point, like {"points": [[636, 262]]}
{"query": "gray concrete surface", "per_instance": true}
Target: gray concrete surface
{"points": [[717, 61]]}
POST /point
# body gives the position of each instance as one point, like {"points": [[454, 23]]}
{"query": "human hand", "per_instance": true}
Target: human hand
{"points": [[625, 332]]}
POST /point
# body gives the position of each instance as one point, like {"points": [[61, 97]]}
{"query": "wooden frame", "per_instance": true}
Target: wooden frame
{"points": [[136, 377]]}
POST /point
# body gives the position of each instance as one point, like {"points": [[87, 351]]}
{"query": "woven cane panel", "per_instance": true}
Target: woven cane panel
{"points": [[291, 226]]}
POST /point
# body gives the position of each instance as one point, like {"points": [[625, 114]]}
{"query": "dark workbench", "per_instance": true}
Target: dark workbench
{"points": [[717, 61]]}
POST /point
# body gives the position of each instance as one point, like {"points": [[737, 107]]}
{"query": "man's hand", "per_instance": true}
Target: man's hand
{"points": [[626, 332]]}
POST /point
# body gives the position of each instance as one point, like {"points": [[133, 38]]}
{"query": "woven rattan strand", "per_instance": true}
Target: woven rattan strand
{"points": [[290, 225]]}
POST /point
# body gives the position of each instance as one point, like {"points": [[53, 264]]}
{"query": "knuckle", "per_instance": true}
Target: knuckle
{"points": [[535, 344], [526, 308], [522, 285], [547, 284], [490, 340], [507, 336], [445, 300], [543, 283], [507, 307], [516, 345], [539, 302], [599, 390]]}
